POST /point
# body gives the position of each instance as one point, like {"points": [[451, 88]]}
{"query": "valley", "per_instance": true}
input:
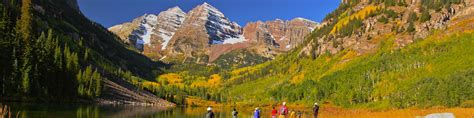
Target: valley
{"points": [[369, 63], [366, 58]]}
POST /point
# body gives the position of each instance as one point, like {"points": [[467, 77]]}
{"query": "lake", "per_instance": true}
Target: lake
{"points": [[123, 111], [126, 111]]}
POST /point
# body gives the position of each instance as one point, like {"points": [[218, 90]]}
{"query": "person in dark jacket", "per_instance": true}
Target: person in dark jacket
{"points": [[234, 113], [315, 110], [209, 114]]}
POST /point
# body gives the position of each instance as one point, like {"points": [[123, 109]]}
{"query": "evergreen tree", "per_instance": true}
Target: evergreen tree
{"points": [[25, 75], [3, 21], [58, 57], [96, 80], [89, 83], [411, 27], [24, 23], [80, 88]]}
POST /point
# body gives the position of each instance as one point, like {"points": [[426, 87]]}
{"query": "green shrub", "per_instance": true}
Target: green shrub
{"points": [[425, 16], [468, 104], [383, 19], [391, 13], [411, 27], [413, 17]]}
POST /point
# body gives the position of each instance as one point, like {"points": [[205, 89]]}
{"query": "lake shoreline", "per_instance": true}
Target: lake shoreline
{"points": [[128, 110]]}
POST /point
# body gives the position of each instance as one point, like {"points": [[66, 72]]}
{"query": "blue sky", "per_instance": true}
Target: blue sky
{"points": [[111, 12]]}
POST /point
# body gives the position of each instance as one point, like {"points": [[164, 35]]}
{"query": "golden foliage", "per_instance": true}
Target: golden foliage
{"points": [[349, 55], [361, 14], [151, 84], [293, 68], [297, 78], [215, 80], [170, 79], [199, 84], [196, 101]]}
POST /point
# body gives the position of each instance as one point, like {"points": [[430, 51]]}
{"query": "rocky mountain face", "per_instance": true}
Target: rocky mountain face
{"points": [[409, 20], [204, 26], [278, 35], [151, 33], [204, 34]]}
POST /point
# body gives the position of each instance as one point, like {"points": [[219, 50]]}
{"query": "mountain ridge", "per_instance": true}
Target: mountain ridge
{"points": [[214, 35]]}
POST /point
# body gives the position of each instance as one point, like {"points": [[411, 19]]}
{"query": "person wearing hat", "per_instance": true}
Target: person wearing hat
{"points": [[256, 113], [234, 113], [209, 114], [283, 110], [315, 110]]}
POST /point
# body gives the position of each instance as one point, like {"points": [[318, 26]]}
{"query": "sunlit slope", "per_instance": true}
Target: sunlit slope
{"points": [[434, 71]]}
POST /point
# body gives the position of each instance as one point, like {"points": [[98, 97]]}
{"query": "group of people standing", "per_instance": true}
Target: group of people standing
{"points": [[282, 112]]}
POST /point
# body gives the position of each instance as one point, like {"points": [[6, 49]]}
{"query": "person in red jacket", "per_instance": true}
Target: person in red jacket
{"points": [[274, 113], [283, 110]]}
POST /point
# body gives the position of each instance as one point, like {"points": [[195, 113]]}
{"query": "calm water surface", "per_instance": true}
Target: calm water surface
{"points": [[122, 111]]}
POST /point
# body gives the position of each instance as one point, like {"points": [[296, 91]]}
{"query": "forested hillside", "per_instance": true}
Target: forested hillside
{"points": [[51, 52], [429, 71]]}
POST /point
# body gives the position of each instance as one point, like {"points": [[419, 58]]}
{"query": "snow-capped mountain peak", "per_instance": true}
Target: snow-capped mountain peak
{"points": [[211, 9], [219, 27], [203, 30], [157, 28], [176, 9]]}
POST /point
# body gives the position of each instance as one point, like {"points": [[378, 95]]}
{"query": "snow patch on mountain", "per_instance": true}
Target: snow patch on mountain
{"points": [[235, 40], [145, 29], [273, 38], [283, 38], [166, 38], [170, 21], [148, 32], [217, 42], [151, 19], [304, 19]]}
